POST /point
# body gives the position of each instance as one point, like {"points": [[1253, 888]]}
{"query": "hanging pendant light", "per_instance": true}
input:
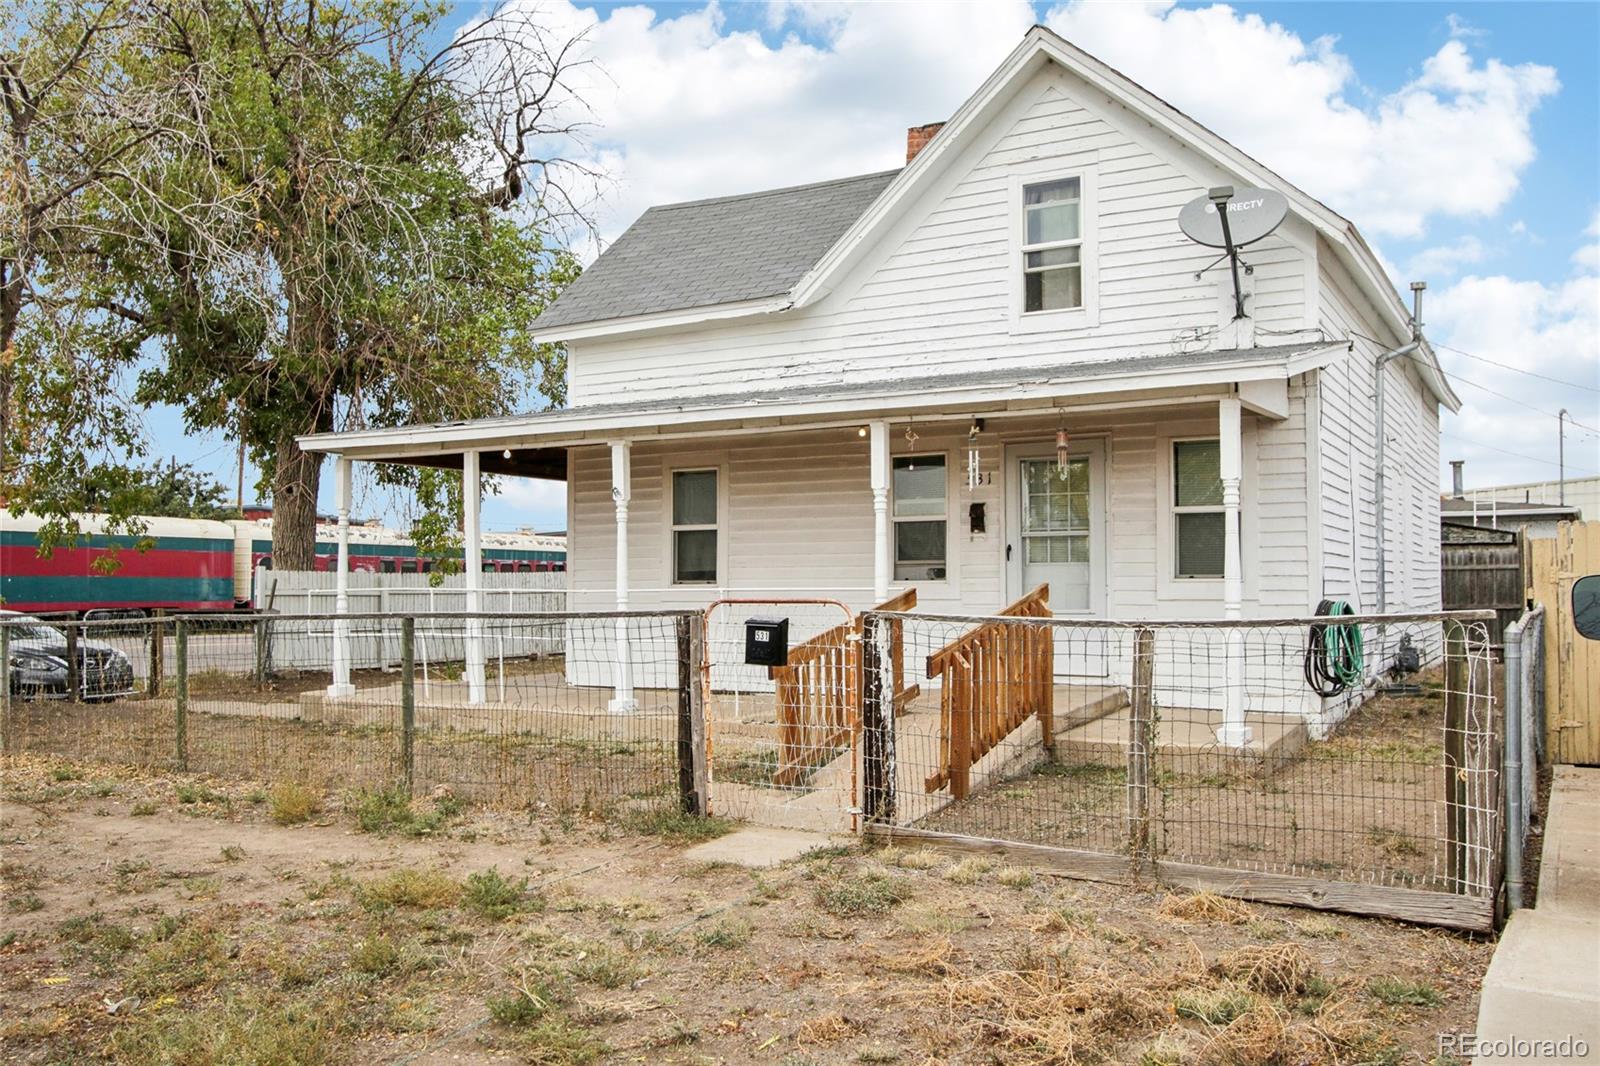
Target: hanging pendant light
{"points": [[911, 442]]}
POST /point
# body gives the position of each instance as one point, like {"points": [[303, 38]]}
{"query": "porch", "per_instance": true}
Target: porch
{"points": [[968, 489]]}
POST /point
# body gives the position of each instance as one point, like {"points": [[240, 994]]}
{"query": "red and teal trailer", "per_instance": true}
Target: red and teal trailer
{"points": [[187, 565]]}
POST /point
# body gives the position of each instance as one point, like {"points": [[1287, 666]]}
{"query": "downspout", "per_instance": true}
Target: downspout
{"points": [[1381, 533]]}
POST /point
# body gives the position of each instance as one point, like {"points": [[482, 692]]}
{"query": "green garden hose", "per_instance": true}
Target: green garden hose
{"points": [[1334, 659]]}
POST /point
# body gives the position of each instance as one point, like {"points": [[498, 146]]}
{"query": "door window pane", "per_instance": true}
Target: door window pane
{"points": [[695, 555], [1200, 544], [694, 498]]}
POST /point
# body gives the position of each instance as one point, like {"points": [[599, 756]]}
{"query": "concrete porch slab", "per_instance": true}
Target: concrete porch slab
{"points": [[1186, 741]]}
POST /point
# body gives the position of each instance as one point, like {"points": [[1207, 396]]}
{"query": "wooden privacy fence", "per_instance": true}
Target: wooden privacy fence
{"points": [[1484, 574], [1572, 663], [994, 679], [818, 693]]}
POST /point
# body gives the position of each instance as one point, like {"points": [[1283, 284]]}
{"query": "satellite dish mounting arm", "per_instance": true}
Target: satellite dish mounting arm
{"points": [[1220, 197]]}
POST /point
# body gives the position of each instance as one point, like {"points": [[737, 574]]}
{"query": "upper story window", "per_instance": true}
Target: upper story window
{"points": [[1199, 531], [1052, 245], [919, 518], [694, 527]]}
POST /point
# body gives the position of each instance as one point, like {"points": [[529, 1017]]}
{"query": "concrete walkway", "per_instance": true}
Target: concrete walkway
{"points": [[1544, 981]]}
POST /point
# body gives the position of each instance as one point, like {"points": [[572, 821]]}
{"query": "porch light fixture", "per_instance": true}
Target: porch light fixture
{"points": [[861, 431], [911, 442], [506, 454]]}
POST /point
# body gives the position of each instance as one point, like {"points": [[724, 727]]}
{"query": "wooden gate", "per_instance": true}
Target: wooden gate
{"points": [[1572, 662], [1482, 569]]}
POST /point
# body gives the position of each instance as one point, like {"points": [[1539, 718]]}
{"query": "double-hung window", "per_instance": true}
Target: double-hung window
{"points": [[919, 518], [1052, 245], [694, 527], [1198, 523]]}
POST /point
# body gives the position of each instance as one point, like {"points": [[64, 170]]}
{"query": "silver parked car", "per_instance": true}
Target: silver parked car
{"points": [[36, 663]]}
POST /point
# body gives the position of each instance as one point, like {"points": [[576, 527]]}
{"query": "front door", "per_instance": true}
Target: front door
{"points": [[1055, 529]]}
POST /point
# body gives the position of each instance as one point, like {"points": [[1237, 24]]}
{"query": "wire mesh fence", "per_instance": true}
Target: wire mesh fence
{"points": [[511, 710], [1296, 753]]}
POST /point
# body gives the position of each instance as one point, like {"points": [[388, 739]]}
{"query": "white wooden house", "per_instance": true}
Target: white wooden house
{"points": [[777, 393]]}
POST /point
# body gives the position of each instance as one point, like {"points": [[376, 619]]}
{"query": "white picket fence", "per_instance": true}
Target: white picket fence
{"points": [[306, 644]]}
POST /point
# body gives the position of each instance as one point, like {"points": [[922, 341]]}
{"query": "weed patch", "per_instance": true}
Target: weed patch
{"points": [[410, 888], [676, 826], [861, 895], [492, 896], [290, 803], [1399, 992]]}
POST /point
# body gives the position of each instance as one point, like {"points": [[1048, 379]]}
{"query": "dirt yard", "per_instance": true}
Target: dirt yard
{"points": [[160, 919], [1367, 804]]}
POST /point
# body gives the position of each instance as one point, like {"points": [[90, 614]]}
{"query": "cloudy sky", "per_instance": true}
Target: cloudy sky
{"points": [[1463, 141]]}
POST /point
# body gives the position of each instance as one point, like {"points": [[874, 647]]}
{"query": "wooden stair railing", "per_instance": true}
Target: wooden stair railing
{"points": [[817, 694], [994, 679]]}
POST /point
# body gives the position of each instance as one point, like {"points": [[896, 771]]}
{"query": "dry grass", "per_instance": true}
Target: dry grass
{"points": [[1204, 907], [828, 1029], [291, 803], [1277, 970], [1046, 1008]]}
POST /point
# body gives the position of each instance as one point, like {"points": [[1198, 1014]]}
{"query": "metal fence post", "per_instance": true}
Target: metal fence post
{"points": [[261, 649], [158, 652], [877, 727], [1512, 759], [1141, 734], [688, 799], [180, 700], [408, 701], [74, 666], [5, 687]]}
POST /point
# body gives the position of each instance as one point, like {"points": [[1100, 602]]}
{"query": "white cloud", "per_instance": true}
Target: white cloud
{"points": [[1551, 330], [1452, 142], [1445, 260], [1587, 257], [687, 108], [527, 503]]}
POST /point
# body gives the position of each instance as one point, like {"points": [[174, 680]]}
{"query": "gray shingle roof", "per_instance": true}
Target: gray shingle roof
{"points": [[707, 252]]}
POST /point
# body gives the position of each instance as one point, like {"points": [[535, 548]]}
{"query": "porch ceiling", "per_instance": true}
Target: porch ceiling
{"points": [[538, 441]]}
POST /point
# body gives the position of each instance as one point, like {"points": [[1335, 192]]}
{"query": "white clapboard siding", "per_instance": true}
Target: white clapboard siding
{"points": [[935, 298]]}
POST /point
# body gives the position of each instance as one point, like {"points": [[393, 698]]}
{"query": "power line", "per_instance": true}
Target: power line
{"points": [[1512, 399], [1519, 370], [1519, 455]]}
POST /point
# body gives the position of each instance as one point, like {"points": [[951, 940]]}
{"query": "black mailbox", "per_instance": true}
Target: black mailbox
{"points": [[766, 641]]}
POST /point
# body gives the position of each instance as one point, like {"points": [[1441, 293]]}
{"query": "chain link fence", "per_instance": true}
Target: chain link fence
{"points": [[503, 709]]}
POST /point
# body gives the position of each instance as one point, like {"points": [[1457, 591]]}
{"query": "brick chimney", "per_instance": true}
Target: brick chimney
{"points": [[1457, 481], [917, 138]]}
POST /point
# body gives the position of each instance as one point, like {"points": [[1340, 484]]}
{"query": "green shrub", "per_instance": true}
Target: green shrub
{"points": [[495, 897]]}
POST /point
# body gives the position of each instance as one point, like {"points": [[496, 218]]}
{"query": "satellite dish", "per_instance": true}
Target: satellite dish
{"points": [[1252, 214]]}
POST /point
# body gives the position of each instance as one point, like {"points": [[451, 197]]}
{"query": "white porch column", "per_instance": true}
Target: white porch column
{"points": [[1233, 732], [881, 569], [341, 583], [621, 493], [471, 505]]}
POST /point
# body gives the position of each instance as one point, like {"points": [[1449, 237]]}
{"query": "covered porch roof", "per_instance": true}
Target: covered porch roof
{"points": [[537, 441]]}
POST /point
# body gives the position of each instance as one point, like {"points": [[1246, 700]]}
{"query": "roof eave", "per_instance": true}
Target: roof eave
{"points": [[573, 427], [661, 320]]}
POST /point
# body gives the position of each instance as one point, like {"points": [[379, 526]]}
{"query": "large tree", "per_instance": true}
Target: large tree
{"points": [[345, 219]]}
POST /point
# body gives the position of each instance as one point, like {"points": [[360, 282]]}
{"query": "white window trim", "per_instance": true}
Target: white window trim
{"points": [[1083, 317], [720, 528], [1169, 586], [950, 553]]}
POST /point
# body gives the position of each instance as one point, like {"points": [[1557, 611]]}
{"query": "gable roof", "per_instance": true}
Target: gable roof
{"points": [[727, 250], [1039, 48]]}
